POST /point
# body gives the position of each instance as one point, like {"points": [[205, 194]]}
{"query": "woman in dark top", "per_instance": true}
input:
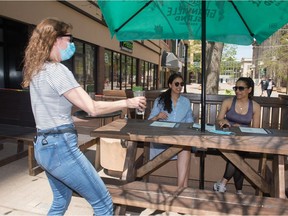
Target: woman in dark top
{"points": [[240, 110]]}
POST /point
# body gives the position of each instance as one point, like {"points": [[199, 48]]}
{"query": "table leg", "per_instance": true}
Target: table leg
{"points": [[33, 166], [128, 174], [98, 166], [202, 169], [279, 176]]}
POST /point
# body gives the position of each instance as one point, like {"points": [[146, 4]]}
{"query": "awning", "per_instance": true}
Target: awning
{"points": [[169, 60]]}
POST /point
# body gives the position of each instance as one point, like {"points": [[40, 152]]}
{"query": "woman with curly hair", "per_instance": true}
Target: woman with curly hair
{"points": [[53, 91], [172, 106]]}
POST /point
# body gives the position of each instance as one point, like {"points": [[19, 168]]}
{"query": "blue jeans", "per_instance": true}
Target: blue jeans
{"points": [[68, 170]]}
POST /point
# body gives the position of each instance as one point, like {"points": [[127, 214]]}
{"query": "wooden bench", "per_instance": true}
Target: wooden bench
{"points": [[17, 123], [194, 201]]}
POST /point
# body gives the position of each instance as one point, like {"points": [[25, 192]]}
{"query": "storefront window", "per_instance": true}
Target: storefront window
{"points": [[108, 81], [123, 74], [117, 76], [79, 63], [90, 67], [84, 65]]}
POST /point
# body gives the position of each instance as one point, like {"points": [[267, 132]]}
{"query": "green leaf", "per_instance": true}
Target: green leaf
{"points": [[137, 88]]}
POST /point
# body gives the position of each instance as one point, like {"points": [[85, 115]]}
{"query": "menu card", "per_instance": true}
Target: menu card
{"points": [[253, 130], [163, 124], [208, 127]]}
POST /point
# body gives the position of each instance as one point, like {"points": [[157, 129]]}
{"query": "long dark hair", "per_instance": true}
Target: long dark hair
{"points": [[250, 84], [165, 97]]}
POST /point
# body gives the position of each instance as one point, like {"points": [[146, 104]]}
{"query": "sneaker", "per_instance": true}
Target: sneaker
{"points": [[219, 187], [239, 192]]}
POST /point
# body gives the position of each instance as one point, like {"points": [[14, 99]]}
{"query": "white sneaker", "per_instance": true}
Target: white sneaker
{"points": [[239, 192], [219, 187]]}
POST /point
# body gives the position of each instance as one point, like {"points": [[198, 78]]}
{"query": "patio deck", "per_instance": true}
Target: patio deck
{"points": [[25, 195]]}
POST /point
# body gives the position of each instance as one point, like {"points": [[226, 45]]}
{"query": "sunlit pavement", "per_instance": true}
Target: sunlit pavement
{"points": [[195, 88]]}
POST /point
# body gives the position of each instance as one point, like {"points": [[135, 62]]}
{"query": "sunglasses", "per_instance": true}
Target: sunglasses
{"points": [[68, 35], [177, 84], [240, 88]]}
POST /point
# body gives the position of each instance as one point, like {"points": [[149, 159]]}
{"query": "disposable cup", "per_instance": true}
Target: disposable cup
{"points": [[137, 94]]}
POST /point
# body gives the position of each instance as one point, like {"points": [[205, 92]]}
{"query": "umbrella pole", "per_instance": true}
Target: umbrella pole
{"points": [[203, 69], [186, 67], [203, 93]]}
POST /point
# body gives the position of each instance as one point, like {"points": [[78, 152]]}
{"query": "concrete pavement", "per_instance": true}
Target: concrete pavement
{"points": [[195, 88]]}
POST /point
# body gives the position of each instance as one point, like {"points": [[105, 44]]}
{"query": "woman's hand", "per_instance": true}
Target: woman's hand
{"points": [[136, 102], [224, 123], [162, 115]]}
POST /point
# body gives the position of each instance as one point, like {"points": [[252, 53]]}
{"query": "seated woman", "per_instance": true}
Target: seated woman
{"points": [[172, 106], [240, 110]]}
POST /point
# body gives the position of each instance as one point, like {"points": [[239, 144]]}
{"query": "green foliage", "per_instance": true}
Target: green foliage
{"points": [[229, 52], [90, 88], [229, 92], [275, 56], [137, 88]]}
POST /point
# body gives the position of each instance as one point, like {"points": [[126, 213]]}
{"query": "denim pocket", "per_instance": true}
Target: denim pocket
{"points": [[48, 157], [70, 139]]}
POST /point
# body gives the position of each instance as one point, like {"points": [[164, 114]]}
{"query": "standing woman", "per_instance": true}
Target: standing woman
{"points": [[53, 91], [172, 106], [240, 110]]}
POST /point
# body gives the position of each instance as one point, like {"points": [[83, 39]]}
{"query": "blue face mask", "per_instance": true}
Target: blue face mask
{"points": [[68, 52]]}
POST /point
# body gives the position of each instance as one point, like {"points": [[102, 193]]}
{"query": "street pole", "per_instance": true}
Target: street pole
{"points": [[186, 67]]}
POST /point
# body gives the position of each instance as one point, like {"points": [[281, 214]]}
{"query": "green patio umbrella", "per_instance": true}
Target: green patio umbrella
{"points": [[235, 22]]}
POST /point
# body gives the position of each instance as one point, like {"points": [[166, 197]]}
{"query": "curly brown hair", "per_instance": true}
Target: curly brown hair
{"points": [[40, 45]]}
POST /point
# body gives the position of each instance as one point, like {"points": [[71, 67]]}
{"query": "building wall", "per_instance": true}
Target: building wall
{"points": [[88, 26], [85, 28], [247, 69]]}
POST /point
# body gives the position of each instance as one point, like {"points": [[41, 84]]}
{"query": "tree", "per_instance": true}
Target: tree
{"points": [[275, 57], [229, 52], [213, 61], [195, 68]]}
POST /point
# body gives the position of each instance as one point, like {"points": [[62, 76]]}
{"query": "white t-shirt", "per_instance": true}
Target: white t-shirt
{"points": [[270, 84], [49, 106]]}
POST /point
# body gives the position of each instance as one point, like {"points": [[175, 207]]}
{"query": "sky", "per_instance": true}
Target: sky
{"points": [[244, 52]]}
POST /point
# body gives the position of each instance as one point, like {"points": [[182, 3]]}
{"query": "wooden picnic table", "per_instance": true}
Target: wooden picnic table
{"points": [[135, 130]]}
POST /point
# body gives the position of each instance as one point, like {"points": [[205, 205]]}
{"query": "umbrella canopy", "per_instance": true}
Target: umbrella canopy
{"points": [[234, 22]]}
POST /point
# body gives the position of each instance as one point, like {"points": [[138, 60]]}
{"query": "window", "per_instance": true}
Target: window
{"points": [[121, 72], [85, 65]]}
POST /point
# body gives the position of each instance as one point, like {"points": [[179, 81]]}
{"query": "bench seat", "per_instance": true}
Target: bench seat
{"points": [[194, 201], [25, 135]]}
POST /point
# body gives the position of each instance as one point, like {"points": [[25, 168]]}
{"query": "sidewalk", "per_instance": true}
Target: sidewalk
{"points": [[21, 194], [195, 88], [25, 195]]}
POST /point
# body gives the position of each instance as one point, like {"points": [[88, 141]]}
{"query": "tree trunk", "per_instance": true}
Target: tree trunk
{"points": [[213, 61]]}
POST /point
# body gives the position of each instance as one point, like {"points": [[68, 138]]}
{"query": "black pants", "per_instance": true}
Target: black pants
{"points": [[238, 176], [269, 92], [232, 171]]}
